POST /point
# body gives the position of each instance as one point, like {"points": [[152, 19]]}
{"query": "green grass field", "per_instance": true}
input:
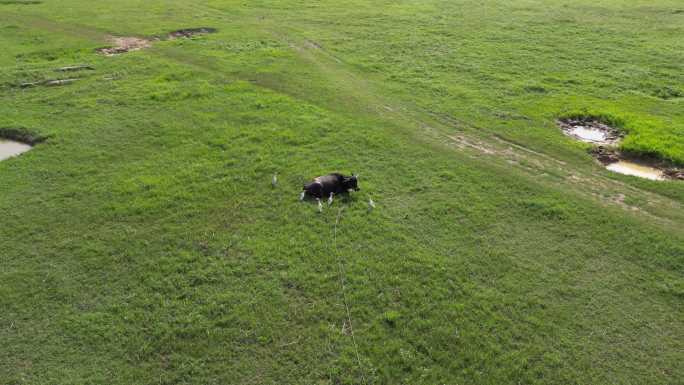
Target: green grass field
{"points": [[142, 241]]}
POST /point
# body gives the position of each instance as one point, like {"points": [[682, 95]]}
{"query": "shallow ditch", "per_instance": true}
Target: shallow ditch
{"points": [[606, 140]]}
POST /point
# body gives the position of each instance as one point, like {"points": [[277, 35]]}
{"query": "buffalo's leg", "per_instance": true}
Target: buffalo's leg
{"points": [[302, 195], [320, 206], [330, 198]]}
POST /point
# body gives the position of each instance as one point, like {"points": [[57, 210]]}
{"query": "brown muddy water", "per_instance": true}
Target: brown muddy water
{"points": [[9, 148], [635, 169]]}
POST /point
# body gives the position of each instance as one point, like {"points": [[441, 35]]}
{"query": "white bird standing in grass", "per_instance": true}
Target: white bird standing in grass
{"points": [[371, 204], [320, 205], [274, 181]]}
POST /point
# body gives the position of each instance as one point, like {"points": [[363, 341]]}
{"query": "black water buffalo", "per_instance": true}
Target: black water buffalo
{"points": [[327, 186]]}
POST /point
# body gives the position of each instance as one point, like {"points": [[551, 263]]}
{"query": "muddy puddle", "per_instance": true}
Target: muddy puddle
{"points": [[590, 131], [606, 140], [627, 167], [10, 148], [626, 164]]}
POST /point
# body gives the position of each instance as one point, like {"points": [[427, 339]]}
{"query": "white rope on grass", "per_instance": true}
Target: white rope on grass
{"points": [[340, 267]]}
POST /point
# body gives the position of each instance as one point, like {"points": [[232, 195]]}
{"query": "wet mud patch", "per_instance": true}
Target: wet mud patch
{"points": [[590, 130], [190, 32], [123, 44]]}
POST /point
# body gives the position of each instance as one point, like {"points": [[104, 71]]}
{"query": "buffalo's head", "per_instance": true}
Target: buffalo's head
{"points": [[351, 183]]}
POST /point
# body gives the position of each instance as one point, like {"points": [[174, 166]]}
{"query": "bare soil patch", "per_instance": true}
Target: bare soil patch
{"points": [[590, 130], [123, 44]]}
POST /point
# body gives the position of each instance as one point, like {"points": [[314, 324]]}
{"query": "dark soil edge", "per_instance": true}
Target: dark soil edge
{"points": [[20, 134], [190, 32], [612, 121]]}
